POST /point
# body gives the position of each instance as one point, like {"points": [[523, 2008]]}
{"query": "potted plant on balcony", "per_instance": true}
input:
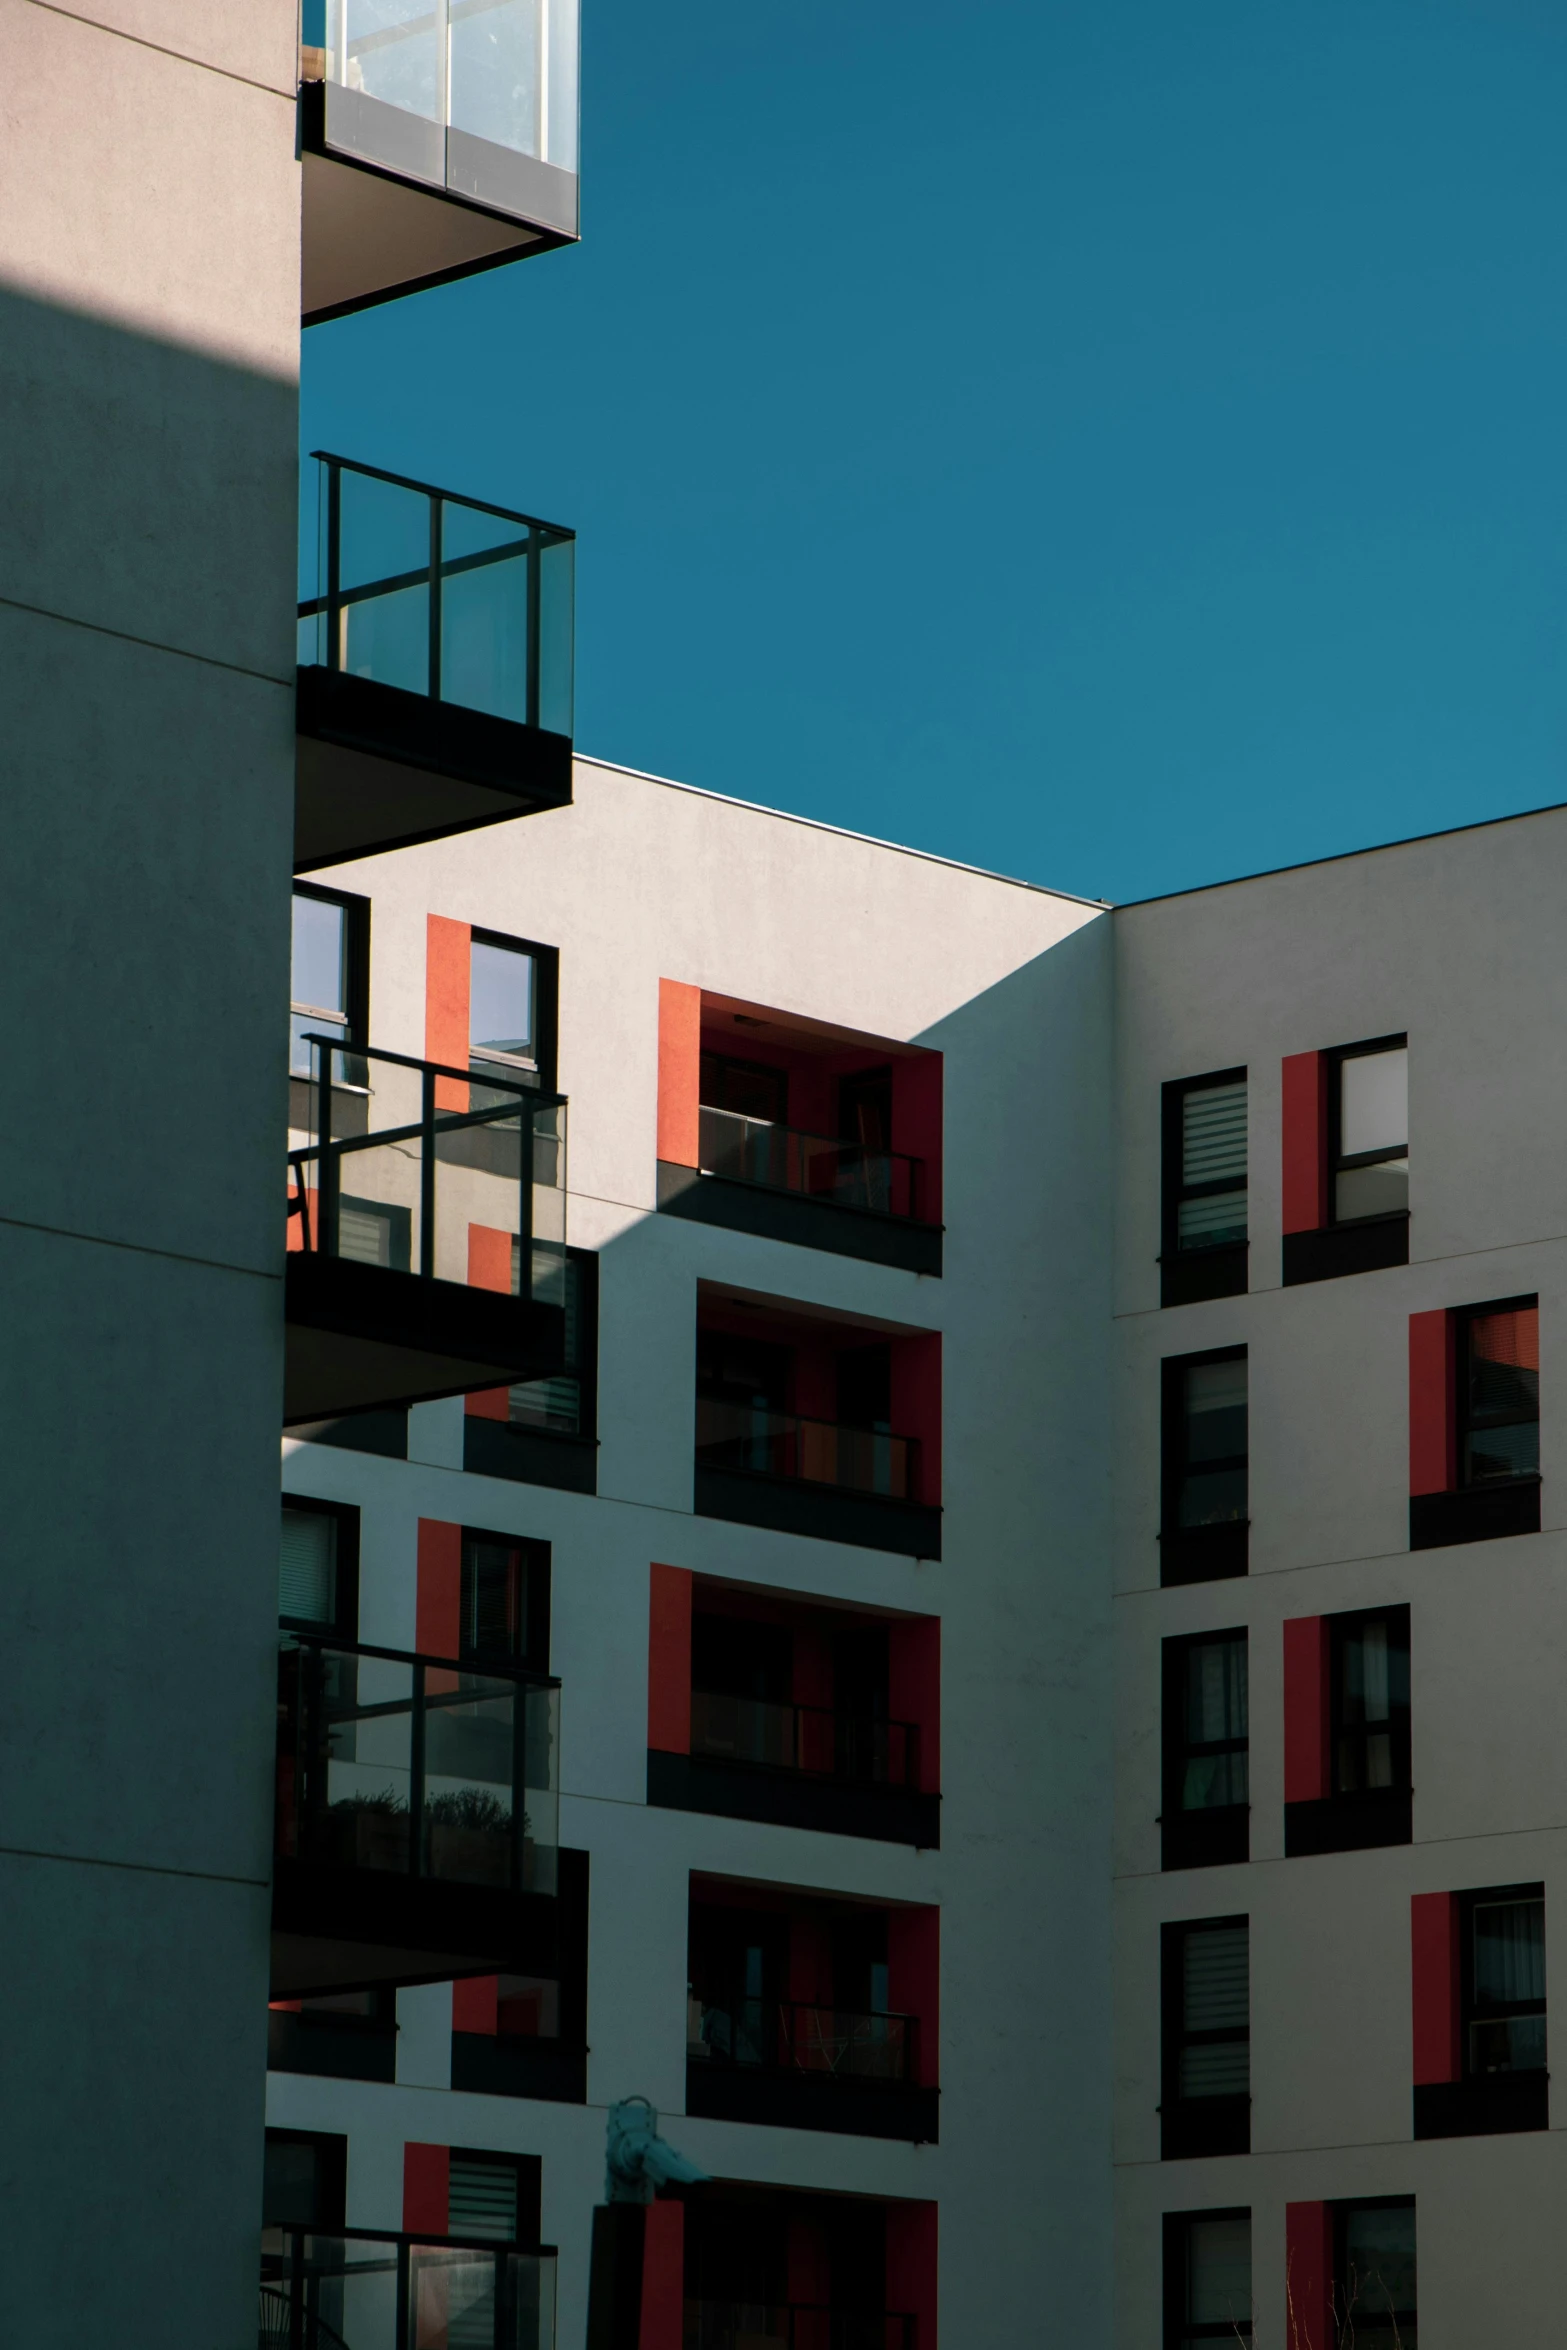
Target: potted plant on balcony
{"points": [[370, 1831], [470, 1836]]}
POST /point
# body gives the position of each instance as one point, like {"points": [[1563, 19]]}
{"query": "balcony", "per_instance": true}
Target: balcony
{"points": [[417, 1819], [781, 1126], [793, 2325], [438, 138], [435, 665], [426, 1233], [356, 2290]]}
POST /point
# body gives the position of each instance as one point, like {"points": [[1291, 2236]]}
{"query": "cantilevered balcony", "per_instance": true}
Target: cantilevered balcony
{"points": [[426, 1233], [438, 137], [435, 664], [416, 1822], [354, 2289]]}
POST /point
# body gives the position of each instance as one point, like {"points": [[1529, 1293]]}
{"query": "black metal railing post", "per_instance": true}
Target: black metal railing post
{"points": [[535, 621], [334, 562], [437, 522], [328, 1186], [416, 1751], [427, 1174]]}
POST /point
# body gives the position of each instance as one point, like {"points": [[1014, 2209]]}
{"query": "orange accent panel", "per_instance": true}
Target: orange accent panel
{"points": [[438, 1609], [1434, 1965], [447, 952], [427, 2189], [669, 1660], [476, 2004], [1306, 1734], [1308, 2276], [917, 1086], [1304, 1126], [1433, 1446], [679, 1073], [911, 2266], [488, 1403], [295, 1241], [662, 2315], [489, 1258], [914, 1981]]}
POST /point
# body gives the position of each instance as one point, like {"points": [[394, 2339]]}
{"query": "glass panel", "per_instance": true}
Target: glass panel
{"points": [[744, 1729], [1215, 1691], [1371, 1675], [307, 1578], [1217, 1220], [469, 1777], [557, 633], [384, 529], [1509, 1951], [1507, 2044], [1214, 1396], [393, 50], [346, 2293], [1216, 2068], [1373, 1102], [540, 1785], [318, 976], [387, 638], [484, 636], [1218, 2271], [482, 2198], [1371, 1191], [496, 78], [501, 1000], [367, 1705], [1504, 1395], [1213, 1134]]}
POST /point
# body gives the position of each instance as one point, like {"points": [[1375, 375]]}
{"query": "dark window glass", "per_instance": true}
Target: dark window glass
{"points": [[1499, 1392], [327, 971], [1370, 1131], [505, 1599], [1370, 1701], [746, 1089], [303, 2179], [318, 1564], [1208, 2278], [1209, 1171], [1206, 1742], [1213, 2057], [502, 1008], [864, 1387], [561, 1405], [1205, 1441], [1504, 1982], [1374, 2305], [865, 1109], [750, 1371], [732, 1656], [494, 2195]]}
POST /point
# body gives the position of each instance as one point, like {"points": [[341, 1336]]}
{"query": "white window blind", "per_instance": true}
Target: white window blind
{"points": [[1216, 1997], [307, 1576], [1213, 1151], [483, 2199]]}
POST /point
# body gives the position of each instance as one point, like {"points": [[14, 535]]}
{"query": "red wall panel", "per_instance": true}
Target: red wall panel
{"points": [[914, 1981], [669, 1660], [679, 1072], [911, 2267], [1307, 1759], [916, 1406], [476, 2004], [438, 1608], [916, 1124], [914, 1689], [427, 2187], [663, 2278], [1308, 2276], [1434, 1963], [447, 952], [1304, 1127], [1433, 1447]]}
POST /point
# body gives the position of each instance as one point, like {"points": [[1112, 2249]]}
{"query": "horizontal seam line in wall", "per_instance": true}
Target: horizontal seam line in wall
{"points": [[139, 41], [1457, 1256], [1292, 1860], [1280, 2153], [139, 1868], [125, 637], [140, 1248]]}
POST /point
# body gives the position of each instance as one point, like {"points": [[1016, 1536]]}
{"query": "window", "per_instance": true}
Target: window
{"points": [[511, 1009], [1203, 1532], [505, 1599], [1370, 1702], [745, 1089], [1205, 1817], [562, 1405], [1499, 1392], [318, 1565], [346, 2035], [1369, 1134], [329, 971], [1205, 1226], [1503, 1982], [304, 2179], [1207, 2038], [1207, 2278], [1374, 2274], [494, 2195]]}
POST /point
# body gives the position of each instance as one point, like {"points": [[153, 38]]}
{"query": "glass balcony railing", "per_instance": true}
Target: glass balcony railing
{"points": [[422, 1169], [761, 2325], [409, 586], [416, 1767], [500, 70], [792, 2036], [353, 2290], [809, 1739], [819, 1452], [783, 1158]]}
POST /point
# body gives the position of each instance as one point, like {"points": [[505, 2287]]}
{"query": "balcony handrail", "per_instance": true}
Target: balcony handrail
{"points": [[837, 1142], [803, 1148], [785, 2012], [754, 1424], [326, 1152], [296, 2272], [429, 489], [876, 1724], [501, 1670], [436, 2243]]}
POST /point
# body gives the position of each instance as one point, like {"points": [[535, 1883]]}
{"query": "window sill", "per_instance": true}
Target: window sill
{"points": [[1479, 1513], [1369, 1245]]}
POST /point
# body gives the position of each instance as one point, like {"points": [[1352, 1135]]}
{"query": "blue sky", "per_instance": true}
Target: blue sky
{"points": [[1116, 443]]}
